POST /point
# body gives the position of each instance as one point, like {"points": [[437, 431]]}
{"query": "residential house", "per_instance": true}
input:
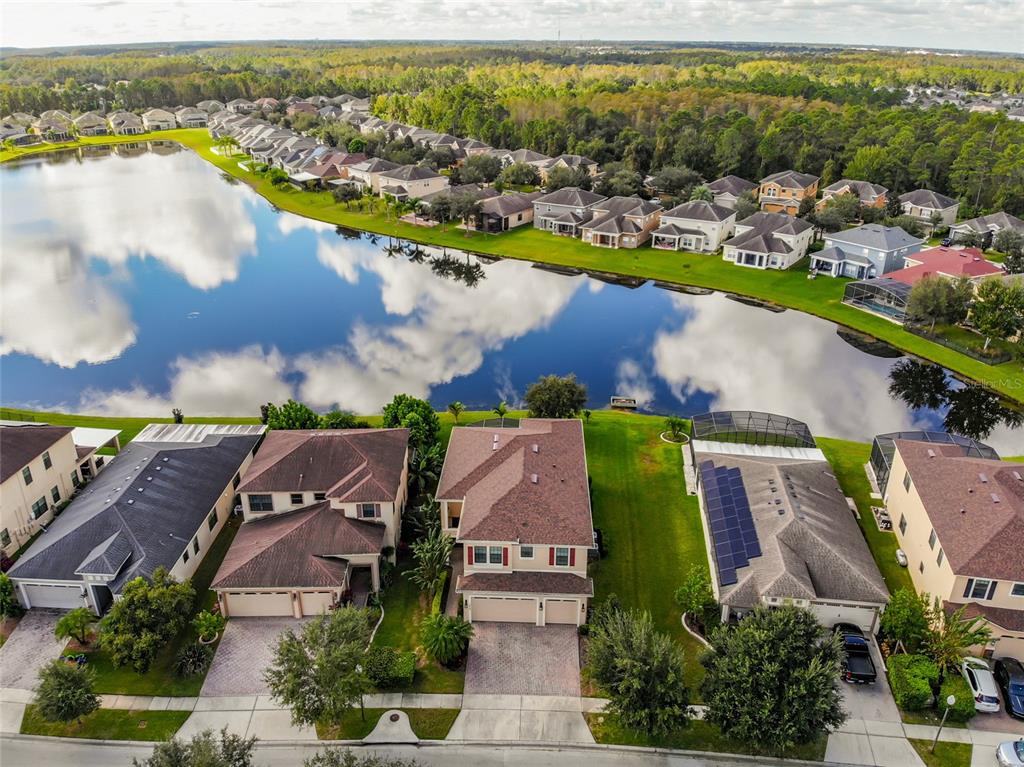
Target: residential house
{"points": [[507, 211], [621, 222], [697, 226], [322, 508], [526, 156], [191, 117], [241, 106], [727, 189], [330, 113], [409, 182], [518, 501], [768, 241], [870, 195], [125, 124], [158, 119], [56, 114], [783, 192], [368, 173], [15, 135], [24, 119], [52, 129], [960, 520], [90, 124], [987, 226], [210, 106], [267, 104], [865, 251], [573, 162], [565, 210], [161, 503], [301, 107], [930, 208]]}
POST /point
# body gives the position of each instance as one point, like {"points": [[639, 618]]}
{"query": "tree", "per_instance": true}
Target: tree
{"points": [[208, 625], [343, 757], [425, 520], [425, 468], [480, 169], [277, 176], [177, 415], [745, 207], [695, 597], [501, 409], [291, 415], [147, 616], [641, 670], [202, 750], [318, 672], [677, 181], [347, 193], [904, 624], [399, 414], [1011, 243], [445, 637], [75, 624], [10, 607], [893, 206], [338, 419], [702, 192], [908, 224], [356, 145], [951, 635], [466, 207], [998, 310], [456, 409], [520, 174], [560, 178], [552, 396], [431, 557], [775, 674], [441, 209], [65, 692], [936, 299], [620, 183], [676, 426]]}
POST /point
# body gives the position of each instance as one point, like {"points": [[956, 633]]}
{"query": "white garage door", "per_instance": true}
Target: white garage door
{"points": [[829, 615], [254, 604], [561, 611], [59, 596], [316, 602], [504, 610]]}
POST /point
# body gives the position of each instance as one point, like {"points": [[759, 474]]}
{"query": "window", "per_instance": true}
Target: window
{"points": [[195, 544], [39, 508], [561, 557], [906, 481], [369, 510], [494, 555], [903, 524], [74, 478], [319, 496], [55, 494], [931, 540], [99, 461], [236, 481], [212, 519], [26, 474], [526, 552], [938, 559], [479, 555], [184, 557], [980, 588], [5, 537], [296, 499], [261, 503], [920, 567], [1017, 590], [47, 463]]}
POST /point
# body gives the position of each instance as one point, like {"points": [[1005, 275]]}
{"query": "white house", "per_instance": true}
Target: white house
{"points": [[699, 225]]}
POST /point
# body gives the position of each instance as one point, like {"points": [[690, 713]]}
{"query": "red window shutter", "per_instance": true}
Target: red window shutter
{"points": [[572, 557], [504, 557], [551, 556], [469, 555]]}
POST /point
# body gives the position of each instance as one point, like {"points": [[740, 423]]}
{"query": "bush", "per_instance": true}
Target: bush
{"points": [[445, 637], [208, 625], [912, 678], [963, 709], [193, 660], [387, 667], [65, 692], [438, 605]]}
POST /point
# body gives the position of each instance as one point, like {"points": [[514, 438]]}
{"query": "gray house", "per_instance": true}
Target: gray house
{"points": [[728, 189], [565, 211], [865, 251]]}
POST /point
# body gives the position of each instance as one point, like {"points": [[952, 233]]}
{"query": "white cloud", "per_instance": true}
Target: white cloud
{"points": [[631, 381]]}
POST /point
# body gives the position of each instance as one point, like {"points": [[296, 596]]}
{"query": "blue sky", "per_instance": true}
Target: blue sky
{"points": [[973, 24]]}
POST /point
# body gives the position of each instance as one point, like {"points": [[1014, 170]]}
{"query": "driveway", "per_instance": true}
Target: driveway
{"points": [[873, 702], [1001, 722], [521, 659], [30, 647], [245, 650]]}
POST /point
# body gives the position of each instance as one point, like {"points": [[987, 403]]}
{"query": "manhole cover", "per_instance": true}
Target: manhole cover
{"points": [[394, 717]]}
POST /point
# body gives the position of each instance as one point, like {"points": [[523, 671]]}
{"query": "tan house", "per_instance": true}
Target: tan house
{"points": [[158, 119], [368, 173], [870, 195], [697, 226], [960, 520], [321, 509], [517, 499], [783, 192], [930, 208], [725, 191], [621, 222], [411, 182]]}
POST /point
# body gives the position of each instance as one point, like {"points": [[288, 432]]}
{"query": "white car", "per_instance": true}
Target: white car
{"points": [[901, 557], [1011, 753], [982, 683]]}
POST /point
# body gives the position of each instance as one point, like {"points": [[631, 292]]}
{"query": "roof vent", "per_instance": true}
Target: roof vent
{"points": [[158, 468], [149, 479], [1017, 476], [140, 489], [533, 478], [931, 453], [131, 501], [165, 459], [983, 477], [536, 447], [995, 498]]}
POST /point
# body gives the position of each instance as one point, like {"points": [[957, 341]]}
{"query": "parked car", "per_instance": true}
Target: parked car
{"points": [[858, 668], [982, 683], [1009, 673], [947, 241], [901, 557], [1011, 753]]}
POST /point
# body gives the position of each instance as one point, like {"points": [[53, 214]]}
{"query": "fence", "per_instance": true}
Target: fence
{"points": [[990, 357]]}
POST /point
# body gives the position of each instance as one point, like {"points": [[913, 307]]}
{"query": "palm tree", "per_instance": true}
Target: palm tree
{"points": [[445, 636], [424, 468], [456, 409], [431, 557], [501, 410], [951, 635]]}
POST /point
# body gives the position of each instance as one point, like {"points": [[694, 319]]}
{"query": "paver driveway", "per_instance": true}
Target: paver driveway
{"points": [[30, 647], [245, 650], [520, 659]]}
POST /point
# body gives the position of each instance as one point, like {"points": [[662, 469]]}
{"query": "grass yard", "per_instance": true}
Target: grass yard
{"points": [[848, 459], [931, 717], [427, 723], [108, 724], [697, 736], [946, 754], [651, 527]]}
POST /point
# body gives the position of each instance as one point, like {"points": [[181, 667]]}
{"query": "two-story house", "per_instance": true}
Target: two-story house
{"points": [[870, 195], [241, 106], [725, 191], [368, 173], [783, 192], [960, 520], [518, 502], [698, 225], [987, 227], [411, 182], [321, 508], [621, 222], [866, 251], [565, 210], [768, 241], [930, 208]]}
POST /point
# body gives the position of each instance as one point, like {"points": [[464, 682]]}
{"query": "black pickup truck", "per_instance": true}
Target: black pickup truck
{"points": [[858, 668]]}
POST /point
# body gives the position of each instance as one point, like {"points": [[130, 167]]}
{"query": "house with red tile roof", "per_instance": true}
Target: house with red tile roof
{"points": [[517, 500], [948, 262]]}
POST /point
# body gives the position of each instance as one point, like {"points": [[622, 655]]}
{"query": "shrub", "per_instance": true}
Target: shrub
{"points": [[193, 660], [65, 692], [9, 605], [445, 637], [963, 709], [438, 605], [208, 624], [387, 667], [912, 678]]}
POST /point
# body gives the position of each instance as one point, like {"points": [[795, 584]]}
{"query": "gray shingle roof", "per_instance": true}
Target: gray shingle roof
{"points": [[571, 197], [875, 236], [22, 444], [991, 222], [699, 210], [410, 173], [733, 185], [865, 190], [926, 198], [790, 179]]}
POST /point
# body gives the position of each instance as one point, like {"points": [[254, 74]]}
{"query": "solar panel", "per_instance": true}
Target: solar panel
{"points": [[734, 536]]}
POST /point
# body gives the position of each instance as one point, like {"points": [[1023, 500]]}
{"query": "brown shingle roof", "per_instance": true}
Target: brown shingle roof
{"points": [[352, 466], [980, 535], [536, 582], [298, 548], [20, 445], [502, 502], [1004, 617]]}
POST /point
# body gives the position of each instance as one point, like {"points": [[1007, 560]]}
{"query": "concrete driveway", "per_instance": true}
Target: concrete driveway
{"points": [[522, 659], [30, 647], [873, 702], [245, 650]]}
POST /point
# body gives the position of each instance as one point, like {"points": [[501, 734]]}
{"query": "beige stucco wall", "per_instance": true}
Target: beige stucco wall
{"points": [[715, 232], [516, 562], [925, 214]]}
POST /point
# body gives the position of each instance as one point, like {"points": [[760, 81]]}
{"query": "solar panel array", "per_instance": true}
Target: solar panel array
{"points": [[732, 526]]}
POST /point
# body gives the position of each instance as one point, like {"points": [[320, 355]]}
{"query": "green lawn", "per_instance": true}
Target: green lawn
{"points": [[427, 723], [848, 459], [946, 754], [930, 717], [651, 528], [108, 724], [696, 736], [822, 297]]}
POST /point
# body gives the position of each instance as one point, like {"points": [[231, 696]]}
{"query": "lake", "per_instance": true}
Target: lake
{"points": [[141, 279]]}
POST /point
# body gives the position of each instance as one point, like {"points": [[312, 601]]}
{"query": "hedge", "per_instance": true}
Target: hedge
{"points": [[387, 667], [963, 709], [438, 605], [912, 678]]}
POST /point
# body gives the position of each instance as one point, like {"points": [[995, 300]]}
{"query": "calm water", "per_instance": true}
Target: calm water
{"points": [[137, 281]]}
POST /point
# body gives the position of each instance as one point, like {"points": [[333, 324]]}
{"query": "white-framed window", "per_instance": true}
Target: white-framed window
{"points": [[184, 557], [55, 494], [5, 538], [319, 496], [1017, 590], [939, 558], [212, 519], [931, 540], [980, 588], [561, 556], [26, 474], [906, 481], [903, 524], [258, 502], [195, 544], [47, 463], [526, 552], [296, 499], [75, 479], [770, 191], [369, 510], [39, 508], [494, 555]]}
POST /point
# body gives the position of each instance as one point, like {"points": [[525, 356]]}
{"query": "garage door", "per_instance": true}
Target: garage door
{"points": [[62, 597], [561, 611], [505, 610], [252, 604], [829, 615], [316, 602]]}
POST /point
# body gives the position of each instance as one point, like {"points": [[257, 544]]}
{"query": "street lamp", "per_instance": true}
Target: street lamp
{"points": [[950, 702]]}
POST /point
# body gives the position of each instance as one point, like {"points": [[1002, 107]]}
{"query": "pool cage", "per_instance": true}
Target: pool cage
{"points": [[883, 448], [884, 296], [752, 427]]}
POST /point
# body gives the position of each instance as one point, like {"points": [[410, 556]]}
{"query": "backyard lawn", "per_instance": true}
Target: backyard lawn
{"points": [[427, 723], [107, 724]]}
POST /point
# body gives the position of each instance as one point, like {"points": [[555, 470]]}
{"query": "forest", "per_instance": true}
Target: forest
{"points": [[748, 112]]}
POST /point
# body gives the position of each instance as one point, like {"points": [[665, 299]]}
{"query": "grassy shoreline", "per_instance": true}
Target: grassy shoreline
{"points": [[791, 288]]}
